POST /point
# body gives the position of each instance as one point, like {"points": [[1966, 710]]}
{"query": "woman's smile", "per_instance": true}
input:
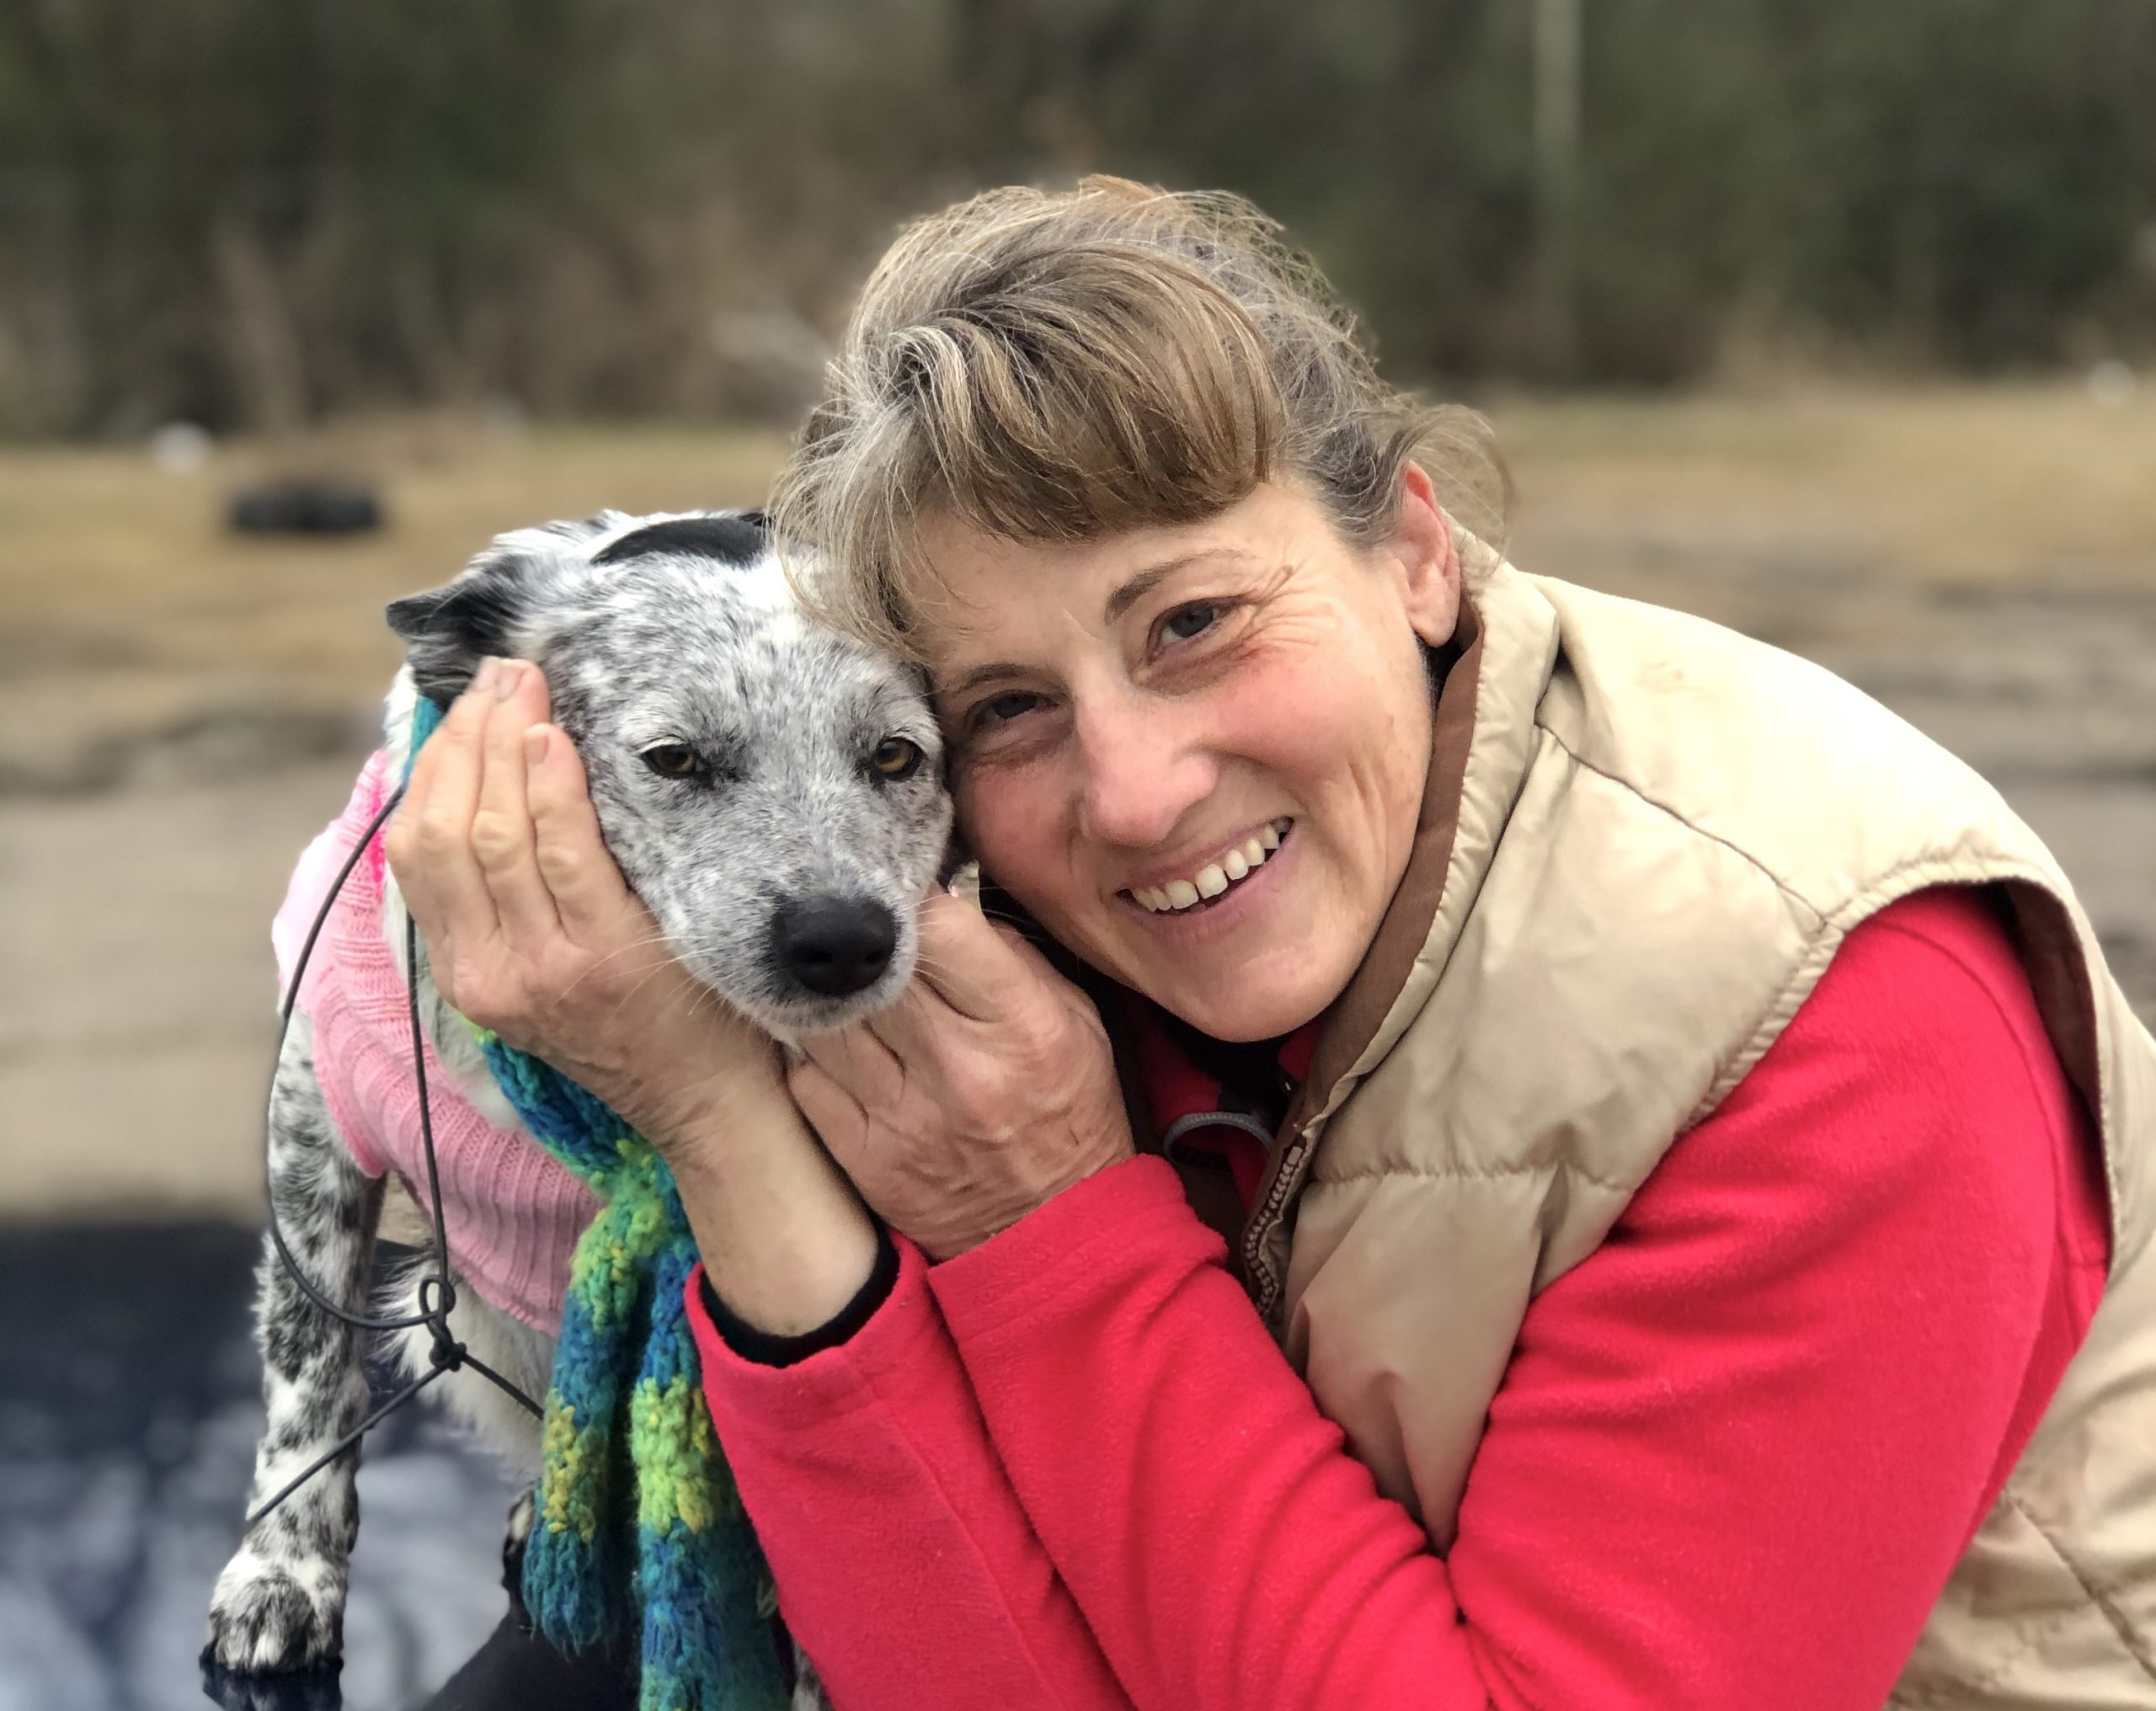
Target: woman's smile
{"points": [[1246, 910], [1228, 870]]}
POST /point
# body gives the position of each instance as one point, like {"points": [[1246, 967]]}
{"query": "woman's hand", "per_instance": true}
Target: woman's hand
{"points": [[985, 1090], [530, 929]]}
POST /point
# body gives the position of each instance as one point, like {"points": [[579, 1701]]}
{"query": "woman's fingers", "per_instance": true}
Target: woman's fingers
{"points": [[977, 969], [857, 1060], [971, 973], [587, 890], [429, 841], [836, 1115], [503, 835]]}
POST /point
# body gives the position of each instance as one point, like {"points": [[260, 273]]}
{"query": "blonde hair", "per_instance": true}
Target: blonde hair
{"points": [[1057, 365]]}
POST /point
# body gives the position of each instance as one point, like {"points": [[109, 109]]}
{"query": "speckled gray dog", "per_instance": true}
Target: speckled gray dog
{"points": [[774, 793]]}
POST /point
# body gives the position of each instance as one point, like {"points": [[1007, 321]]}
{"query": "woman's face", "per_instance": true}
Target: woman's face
{"points": [[1138, 721]]}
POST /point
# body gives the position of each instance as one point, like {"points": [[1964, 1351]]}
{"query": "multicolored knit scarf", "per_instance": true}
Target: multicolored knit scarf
{"points": [[638, 1520]]}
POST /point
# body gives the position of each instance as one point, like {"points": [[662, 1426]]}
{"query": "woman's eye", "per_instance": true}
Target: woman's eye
{"points": [[672, 760], [896, 759], [1000, 709], [1187, 622]]}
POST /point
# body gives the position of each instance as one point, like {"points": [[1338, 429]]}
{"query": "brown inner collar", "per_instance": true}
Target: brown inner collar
{"points": [[1352, 1020]]}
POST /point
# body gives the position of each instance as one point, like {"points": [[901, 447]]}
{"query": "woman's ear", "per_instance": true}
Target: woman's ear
{"points": [[1429, 561]]}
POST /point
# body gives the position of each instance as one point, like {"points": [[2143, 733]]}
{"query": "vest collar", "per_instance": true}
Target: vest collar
{"points": [[1482, 740]]}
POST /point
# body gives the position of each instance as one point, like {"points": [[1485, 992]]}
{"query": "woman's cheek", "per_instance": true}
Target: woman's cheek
{"points": [[1001, 822]]}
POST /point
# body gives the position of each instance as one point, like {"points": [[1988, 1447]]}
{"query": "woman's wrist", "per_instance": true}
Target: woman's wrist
{"points": [[787, 1243]]}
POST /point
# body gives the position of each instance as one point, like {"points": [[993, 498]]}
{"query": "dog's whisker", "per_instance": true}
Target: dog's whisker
{"points": [[601, 965], [628, 997], [657, 936], [1011, 919]]}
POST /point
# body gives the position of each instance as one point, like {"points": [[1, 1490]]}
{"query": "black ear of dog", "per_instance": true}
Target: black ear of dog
{"points": [[452, 628], [739, 539]]}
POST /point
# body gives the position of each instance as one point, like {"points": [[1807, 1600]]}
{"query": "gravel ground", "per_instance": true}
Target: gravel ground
{"points": [[127, 1430]]}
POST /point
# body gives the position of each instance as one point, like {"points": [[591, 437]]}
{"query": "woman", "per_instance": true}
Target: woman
{"points": [[1672, 1125]]}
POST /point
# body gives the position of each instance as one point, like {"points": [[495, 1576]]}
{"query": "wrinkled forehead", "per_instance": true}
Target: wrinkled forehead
{"points": [[979, 597]]}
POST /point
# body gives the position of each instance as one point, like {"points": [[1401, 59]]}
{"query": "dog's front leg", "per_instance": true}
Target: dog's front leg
{"points": [[808, 1687], [280, 1603]]}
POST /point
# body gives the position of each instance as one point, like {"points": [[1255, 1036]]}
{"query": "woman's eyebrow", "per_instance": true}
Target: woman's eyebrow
{"points": [[978, 676], [1145, 581], [1126, 596]]}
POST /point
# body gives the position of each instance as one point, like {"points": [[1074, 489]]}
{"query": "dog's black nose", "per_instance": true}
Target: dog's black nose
{"points": [[835, 946]]}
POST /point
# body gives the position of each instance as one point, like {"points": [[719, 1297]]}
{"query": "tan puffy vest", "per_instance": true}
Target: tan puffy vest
{"points": [[1643, 839]]}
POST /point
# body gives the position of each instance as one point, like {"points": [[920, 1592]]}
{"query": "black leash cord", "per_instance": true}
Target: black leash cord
{"points": [[284, 1027], [349, 1438], [437, 1292]]}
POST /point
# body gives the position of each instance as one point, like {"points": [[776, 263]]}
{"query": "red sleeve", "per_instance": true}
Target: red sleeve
{"points": [[1737, 1450], [904, 1566]]}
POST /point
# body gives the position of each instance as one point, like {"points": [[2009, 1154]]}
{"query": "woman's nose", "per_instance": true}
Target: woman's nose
{"points": [[1142, 772]]}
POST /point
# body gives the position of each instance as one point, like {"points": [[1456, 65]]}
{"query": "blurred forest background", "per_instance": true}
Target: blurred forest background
{"points": [[251, 213]]}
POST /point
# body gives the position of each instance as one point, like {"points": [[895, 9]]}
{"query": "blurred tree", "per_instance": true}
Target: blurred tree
{"points": [[250, 211]]}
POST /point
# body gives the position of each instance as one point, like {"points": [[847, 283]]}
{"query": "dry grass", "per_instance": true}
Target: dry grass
{"points": [[131, 612], [1948, 487]]}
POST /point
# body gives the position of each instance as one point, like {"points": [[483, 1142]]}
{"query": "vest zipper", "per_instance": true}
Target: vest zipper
{"points": [[1260, 1279]]}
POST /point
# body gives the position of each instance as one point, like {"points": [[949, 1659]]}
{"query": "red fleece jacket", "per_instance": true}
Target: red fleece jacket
{"points": [[1735, 1453]]}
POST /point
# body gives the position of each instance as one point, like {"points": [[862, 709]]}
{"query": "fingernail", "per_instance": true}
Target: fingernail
{"points": [[535, 745], [483, 678], [507, 676]]}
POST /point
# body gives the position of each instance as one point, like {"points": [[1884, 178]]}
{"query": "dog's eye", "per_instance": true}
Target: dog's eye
{"points": [[895, 759], [672, 760]]}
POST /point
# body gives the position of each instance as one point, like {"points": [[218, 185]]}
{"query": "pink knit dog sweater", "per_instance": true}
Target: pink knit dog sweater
{"points": [[513, 1214]]}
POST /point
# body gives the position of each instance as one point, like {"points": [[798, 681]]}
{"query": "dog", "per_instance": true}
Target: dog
{"points": [[772, 790]]}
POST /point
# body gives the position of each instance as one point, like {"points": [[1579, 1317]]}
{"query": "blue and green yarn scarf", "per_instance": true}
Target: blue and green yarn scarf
{"points": [[638, 1525]]}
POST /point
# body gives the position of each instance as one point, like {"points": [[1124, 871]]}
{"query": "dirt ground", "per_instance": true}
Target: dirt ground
{"points": [[180, 710]]}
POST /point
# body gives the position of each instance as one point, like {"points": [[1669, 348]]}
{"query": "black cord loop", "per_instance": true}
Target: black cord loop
{"points": [[437, 1292], [437, 1301]]}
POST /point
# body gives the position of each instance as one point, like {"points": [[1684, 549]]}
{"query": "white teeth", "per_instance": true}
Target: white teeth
{"points": [[1214, 878]]}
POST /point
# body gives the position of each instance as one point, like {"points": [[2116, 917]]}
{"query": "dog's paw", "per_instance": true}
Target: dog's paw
{"points": [[272, 1615], [321, 1688]]}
